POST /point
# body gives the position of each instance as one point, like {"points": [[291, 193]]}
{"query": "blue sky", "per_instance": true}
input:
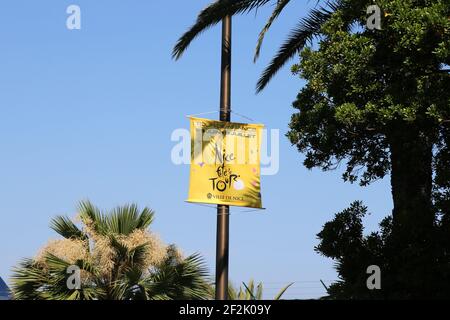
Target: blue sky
{"points": [[88, 114]]}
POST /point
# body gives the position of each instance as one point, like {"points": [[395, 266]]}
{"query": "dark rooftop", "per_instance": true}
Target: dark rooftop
{"points": [[4, 290]]}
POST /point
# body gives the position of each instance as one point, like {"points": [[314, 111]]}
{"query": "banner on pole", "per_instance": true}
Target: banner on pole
{"points": [[225, 163]]}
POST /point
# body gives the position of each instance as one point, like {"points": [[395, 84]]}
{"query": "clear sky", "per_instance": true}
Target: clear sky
{"points": [[88, 114]]}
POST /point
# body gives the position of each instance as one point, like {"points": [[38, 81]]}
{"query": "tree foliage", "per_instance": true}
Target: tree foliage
{"points": [[362, 85], [405, 274], [378, 102], [118, 258]]}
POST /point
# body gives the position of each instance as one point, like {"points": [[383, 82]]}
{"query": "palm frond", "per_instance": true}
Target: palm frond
{"points": [[27, 281], [183, 280], [123, 220], [56, 287], [145, 219], [283, 291], [66, 228], [90, 213], [250, 290], [127, 287], [259, 291], [126, 219], [119, 248], [307, 29], [120, 290], [232, 292], [281, 4], [55, 263], [212, 15], [34, 282], [137, 255]]}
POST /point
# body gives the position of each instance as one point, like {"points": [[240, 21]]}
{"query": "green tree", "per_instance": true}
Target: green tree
{"points": [[378, 101], [119, 259]]}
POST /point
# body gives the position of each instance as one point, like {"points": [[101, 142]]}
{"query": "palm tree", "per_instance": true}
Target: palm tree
{"points": [[251, 291], [118, 258], [307, 29]]}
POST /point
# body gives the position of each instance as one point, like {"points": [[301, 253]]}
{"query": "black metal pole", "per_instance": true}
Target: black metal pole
{"points": [[223, 212]]}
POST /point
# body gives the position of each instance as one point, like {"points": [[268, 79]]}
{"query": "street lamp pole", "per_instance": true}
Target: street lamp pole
{"points": [[223, 212]]}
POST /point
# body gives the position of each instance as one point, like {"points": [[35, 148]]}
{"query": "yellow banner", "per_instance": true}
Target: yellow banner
{"points": [[225, 163]]}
